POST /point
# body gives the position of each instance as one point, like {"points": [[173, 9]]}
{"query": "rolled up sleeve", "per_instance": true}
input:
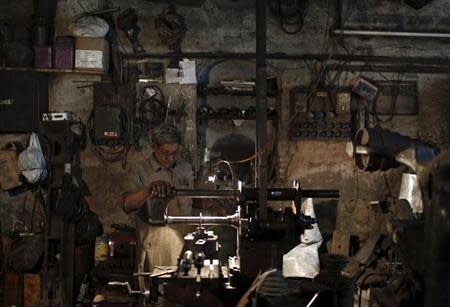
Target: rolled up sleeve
{"points": [[133, 182]]}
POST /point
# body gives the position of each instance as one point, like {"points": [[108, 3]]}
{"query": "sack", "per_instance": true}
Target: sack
{"points": [[32, 161], [9, 170], [303, 260], [90, 26]]}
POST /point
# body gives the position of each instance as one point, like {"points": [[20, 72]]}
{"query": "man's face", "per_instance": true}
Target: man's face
{"points": [[166, 154]]}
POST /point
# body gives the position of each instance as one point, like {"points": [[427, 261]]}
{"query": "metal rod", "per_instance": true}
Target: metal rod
{"points": [[283, 194], [261, 104], [206, 193], [152, 274], [303, 57], [320, 193], [390, 33], [313, 299], [232, 220], [406, 68], [252, 194]]}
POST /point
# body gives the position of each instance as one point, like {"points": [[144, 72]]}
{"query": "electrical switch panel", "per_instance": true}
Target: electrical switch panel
{"points": [[320, 115]]}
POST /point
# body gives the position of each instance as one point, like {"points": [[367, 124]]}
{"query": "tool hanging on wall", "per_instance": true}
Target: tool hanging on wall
{"points": [[172, 29], [151, 111], [110, 123], [290, 12], [127, 22]]}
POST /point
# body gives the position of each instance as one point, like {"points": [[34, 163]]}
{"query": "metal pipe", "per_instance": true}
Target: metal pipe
{"points": [[390, 33], [261, 104]]}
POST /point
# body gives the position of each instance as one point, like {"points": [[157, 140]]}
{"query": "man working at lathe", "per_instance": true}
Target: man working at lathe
{"points": [[154, 176]]}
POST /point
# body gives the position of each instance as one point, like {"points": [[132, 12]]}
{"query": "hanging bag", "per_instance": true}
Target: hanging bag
{"points": [[32, 161]]}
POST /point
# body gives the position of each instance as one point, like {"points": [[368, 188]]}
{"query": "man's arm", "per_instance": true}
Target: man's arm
{"points": [[134, 200]]}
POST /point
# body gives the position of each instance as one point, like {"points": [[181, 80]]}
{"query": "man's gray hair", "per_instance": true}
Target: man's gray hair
{"points": [[165, 134]]}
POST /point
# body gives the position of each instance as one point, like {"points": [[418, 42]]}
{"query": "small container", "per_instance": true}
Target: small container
{"points": [[64, 49], [101, 248], [43, 57]]}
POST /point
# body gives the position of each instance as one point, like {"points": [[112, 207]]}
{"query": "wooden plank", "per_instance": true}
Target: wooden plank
{"points": [[32, 290]]}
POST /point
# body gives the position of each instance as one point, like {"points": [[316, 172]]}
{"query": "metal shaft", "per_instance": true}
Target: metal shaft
{"points": [[252, 194], [206, 193], [232, 220]]}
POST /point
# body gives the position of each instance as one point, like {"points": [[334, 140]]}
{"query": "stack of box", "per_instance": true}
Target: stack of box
{"points": [[80, 53]]}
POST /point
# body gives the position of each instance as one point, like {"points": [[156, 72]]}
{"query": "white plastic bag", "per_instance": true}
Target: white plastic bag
{"points": [[303, 260], [90, 26], [32, 161]]}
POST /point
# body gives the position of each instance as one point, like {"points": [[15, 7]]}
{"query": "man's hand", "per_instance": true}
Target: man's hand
{"points": [[159, 189], [135, 200]]}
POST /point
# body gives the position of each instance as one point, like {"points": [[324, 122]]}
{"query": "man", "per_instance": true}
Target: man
{"points": [[158, 245], [161, 245]]}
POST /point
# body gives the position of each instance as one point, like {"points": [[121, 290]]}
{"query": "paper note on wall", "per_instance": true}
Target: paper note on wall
{"points": [[189, 73]]}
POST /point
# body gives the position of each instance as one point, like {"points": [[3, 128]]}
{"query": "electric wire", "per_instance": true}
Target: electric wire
{"points": [[150, 112], [115, 150]]}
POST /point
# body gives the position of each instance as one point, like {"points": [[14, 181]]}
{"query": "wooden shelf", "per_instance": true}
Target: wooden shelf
{"points": [[221, 90], [271, 116], [53, 71]]}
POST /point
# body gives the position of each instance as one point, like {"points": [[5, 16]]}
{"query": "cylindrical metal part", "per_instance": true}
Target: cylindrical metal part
{"points": [[379, 149], [376, 148]]}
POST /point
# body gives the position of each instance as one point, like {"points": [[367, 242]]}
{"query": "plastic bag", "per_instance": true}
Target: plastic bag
{"points": [[90, 26], [303, 260], [32, 161]]}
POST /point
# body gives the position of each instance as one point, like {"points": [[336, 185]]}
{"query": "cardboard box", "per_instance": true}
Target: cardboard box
{"points": [[91, 53]]}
